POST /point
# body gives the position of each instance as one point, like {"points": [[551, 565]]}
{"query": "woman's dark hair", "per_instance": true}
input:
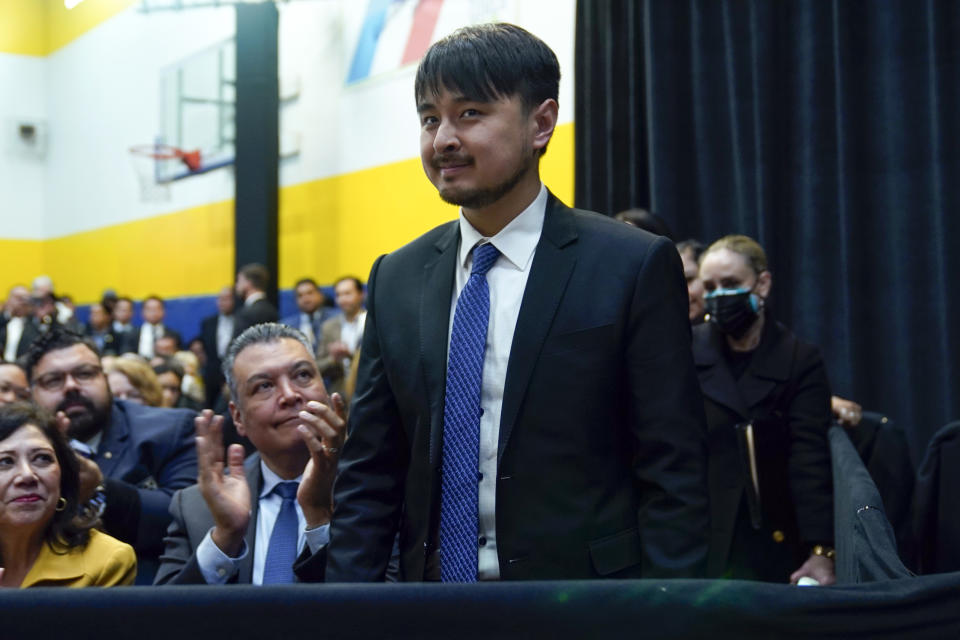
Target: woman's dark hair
{"points": [[67, 529]]}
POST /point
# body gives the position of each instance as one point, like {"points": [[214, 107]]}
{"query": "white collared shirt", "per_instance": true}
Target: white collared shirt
{"points": [[507, 280], [217, 567], [14, 333], [148, 336], [224, 334]]}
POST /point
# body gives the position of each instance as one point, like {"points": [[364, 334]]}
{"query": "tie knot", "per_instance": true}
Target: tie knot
{"points": [[483, 258], [287, 490]]}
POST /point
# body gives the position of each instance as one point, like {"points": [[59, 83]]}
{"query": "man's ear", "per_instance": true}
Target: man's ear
{"points": [[544, 120], [764, 284], [237, 416]]}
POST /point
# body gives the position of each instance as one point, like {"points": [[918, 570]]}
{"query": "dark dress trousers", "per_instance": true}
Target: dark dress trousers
{"points": [[145, 454], [785, 394], [601, 460]]}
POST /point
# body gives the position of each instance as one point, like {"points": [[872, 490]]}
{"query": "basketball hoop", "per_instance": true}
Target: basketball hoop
{"points": [[147, 159]]}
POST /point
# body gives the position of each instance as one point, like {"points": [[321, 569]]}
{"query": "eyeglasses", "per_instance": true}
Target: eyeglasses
{"points": [[82, 375]]}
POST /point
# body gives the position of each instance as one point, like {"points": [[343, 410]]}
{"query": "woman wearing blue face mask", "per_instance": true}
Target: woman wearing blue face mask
{"points": [[767, 403]]}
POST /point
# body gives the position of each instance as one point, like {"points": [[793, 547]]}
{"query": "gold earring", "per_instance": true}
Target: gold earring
{"points": [[61, 504]]}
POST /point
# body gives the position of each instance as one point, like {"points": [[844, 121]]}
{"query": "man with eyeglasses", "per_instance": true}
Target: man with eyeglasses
{"points": [[133, 457]]}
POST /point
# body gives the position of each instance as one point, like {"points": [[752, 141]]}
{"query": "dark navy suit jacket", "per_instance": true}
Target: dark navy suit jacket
{"points": [[602, 456], [146, 454]]}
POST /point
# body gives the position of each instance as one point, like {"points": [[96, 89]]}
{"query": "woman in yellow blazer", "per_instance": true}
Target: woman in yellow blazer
{"points": [[45, 539]]}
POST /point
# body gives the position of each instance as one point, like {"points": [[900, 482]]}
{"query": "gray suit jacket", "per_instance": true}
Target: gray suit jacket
{"points": [[191, 522]]}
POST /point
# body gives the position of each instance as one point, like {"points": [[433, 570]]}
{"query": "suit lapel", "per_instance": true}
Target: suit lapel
{"points": [[770, 365], [553, 263], [255, 480], [434, 326], [716, 381], [113, 443]]}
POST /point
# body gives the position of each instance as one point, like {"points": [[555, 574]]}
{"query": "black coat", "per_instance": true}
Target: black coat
{"points": [[785, 393], [257, 313]]}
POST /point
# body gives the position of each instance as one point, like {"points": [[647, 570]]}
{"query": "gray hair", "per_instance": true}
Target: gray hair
{"points": [[258, 334]]}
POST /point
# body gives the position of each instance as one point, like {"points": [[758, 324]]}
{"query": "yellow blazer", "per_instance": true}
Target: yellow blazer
{"points": [[104, 562]]}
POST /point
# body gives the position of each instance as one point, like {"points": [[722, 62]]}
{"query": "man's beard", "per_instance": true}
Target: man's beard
{"points": [[480, 198], [85, 425]]}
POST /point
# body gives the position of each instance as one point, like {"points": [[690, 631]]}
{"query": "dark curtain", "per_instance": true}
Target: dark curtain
{"points": [[828, 131]]}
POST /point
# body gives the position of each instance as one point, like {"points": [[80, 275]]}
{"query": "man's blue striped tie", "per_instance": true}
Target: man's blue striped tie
{"points": [[282, 550], [461, 423]]}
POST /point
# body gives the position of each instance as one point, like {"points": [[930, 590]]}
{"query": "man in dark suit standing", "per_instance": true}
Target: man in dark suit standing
{"points": [[132, 457], [216, 331], [526, 405], [251, 287], [17, 329]]}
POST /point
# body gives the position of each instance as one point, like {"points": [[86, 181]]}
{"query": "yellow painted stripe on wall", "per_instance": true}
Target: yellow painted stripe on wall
{"points": [[23, 27], [186, 253], [328, 227], [66, 25], [40, 27], [20, 262]]}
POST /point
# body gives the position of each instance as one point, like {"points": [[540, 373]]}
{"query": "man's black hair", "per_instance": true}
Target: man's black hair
{"points": [[153, 297], [257, 275], [487, 62], [309, 281], [354, 279], [54, 340], [170, 366]]}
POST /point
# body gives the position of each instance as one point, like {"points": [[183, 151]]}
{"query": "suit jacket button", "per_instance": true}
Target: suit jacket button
{"points": [[778, 536], [108, 455]]}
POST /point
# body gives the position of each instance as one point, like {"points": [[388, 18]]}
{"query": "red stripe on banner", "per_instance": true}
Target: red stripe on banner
{"points": [[424, 22]]}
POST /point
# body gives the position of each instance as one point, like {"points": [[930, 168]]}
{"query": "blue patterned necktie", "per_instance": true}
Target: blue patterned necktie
{"points": [[461, 424], [282, 550]]}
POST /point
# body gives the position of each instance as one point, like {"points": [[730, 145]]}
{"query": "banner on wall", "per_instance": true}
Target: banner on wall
{"points": [[396, 33]]}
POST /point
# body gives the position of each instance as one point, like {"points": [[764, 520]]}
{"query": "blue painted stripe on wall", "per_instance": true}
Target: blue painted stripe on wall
{"points": [[185, 314], [367, 42]]}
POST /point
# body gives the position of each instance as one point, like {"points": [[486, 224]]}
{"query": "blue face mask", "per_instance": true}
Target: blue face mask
{"points": [[733, 310]]}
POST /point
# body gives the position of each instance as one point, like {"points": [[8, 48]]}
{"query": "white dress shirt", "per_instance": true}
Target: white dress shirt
{"points": [[148, 336], [217, 567], [507, 280], [224, 334], [351, 332], [14, 333]]}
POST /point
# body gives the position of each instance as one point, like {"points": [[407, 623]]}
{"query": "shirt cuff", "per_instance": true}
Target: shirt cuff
{"points": [[316, 537], [216, 566]]}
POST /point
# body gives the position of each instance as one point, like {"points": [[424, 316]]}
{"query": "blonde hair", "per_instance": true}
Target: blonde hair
{"points": [[746, 246], [140, 376]]}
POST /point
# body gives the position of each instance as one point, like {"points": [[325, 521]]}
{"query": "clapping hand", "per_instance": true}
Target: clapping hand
{"points": [[323, 429], [227, 496]]}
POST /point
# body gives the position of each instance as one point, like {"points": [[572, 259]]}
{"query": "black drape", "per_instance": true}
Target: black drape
{"points": [[827, 131]]}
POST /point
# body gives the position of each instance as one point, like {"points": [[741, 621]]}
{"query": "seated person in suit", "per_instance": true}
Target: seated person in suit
{"points": [[314, 310], [251, 287], [123, 327], [152, 329], [100, 330], [132, 457], [13, 383], [249, 526], [768, 410], [131, 379], [341, 334], [16, 328], [46, 538]]}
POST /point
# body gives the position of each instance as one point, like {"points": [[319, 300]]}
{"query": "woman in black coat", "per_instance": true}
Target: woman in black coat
{"points": [[767, 403]]}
